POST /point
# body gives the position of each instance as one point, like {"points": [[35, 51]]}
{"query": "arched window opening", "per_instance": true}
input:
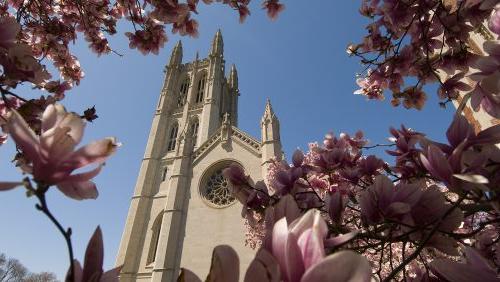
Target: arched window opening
{"points": [[194, 132], [155, 236], [172, 139], [164, 175], [200, 93], [181, 100]]}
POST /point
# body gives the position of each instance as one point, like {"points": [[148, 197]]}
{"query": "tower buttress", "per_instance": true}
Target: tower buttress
{"points": [[132, 242], [167, 259], [213, 109], [234, 93], [270, 134]]}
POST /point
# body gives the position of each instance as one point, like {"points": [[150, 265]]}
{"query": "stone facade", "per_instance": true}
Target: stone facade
{"points": [[181, 208], [480, 119]]}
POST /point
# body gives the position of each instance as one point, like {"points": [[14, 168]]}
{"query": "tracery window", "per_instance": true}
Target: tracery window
{"points": [[172, 139], [181, 99], [216, 190], [194, 131], [200, 93]]}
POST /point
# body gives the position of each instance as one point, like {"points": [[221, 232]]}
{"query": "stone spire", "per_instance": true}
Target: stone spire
{"points": [[269, 115], [233, 78], [271, 143], [270, 125], [217, 44], [176, 56]]}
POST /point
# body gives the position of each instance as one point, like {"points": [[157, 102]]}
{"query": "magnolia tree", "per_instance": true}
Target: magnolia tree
{"points": [[333, 214]]}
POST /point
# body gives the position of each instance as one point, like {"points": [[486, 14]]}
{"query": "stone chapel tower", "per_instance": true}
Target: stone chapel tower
{"points": [[181, 207]]}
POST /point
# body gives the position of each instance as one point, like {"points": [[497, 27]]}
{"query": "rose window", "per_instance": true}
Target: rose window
{"points": [[216, 190]]}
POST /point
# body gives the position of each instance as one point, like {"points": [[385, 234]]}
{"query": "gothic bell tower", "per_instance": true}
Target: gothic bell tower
{"points": [[181, 207]]}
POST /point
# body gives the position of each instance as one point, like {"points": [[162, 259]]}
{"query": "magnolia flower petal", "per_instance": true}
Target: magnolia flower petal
{"points": [[475, 259], [50, 116], [286, 207], [77, 267], [436, 163], [294, 259], [225, 265], [444, 244], [187, 276], [384, 188], [305, 222], [24, 137], [472, 178], [492, 47], [85, 176], [459, 272], [458, 130], [76, 125], [79, 190], [491, 83], [490, 135], [297, 158], [95, 152], [397, 208], [263, 268], [235, 174], [56, 144], [341, 239], [311, 245], [9, 28], [279, 243], [408, 193], [368, 206], [345, 266], [4, 186], [111, 275], [94, 256]]}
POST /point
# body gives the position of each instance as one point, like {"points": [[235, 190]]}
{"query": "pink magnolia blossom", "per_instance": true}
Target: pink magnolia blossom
{"points": [[445, 162], [285, 208], [384, 200], [273, 8], [52, 155], [475, 268], [370, 87], [94, 259], [299, 250], [263, 268], [494, 21], [412, 206]]}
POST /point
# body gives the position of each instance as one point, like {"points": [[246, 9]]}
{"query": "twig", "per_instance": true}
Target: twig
{"points": [[42, 206]]}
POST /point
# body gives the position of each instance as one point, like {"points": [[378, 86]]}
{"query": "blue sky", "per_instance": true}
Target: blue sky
{"points": [[298, 61]]}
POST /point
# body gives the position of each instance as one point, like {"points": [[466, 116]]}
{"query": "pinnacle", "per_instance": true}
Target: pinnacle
{"points": [[178, 44], [217, 43], [218, 33], [269, 109]]}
